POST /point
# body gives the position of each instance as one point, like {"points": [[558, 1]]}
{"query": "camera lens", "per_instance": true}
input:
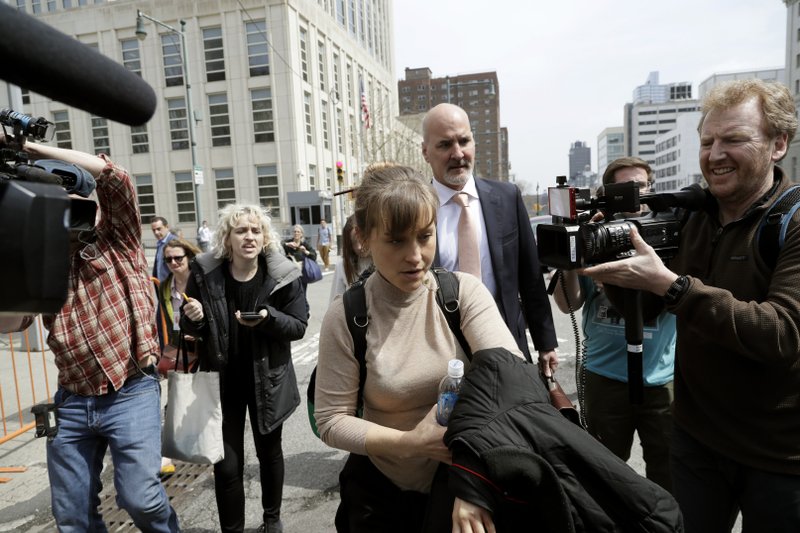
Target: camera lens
{"points": [[603, 242]]}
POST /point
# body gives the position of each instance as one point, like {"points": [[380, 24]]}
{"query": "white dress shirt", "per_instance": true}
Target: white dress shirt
{"points": [[447, 230]]}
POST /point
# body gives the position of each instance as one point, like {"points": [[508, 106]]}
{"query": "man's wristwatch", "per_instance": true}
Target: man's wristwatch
{"points": [[676, 290]]}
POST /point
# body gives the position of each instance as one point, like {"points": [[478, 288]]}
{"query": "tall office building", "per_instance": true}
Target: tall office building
{"points": [[280, 92], [580, 159], [479, 95], [610, 146], [654, 111], [676, 162]]}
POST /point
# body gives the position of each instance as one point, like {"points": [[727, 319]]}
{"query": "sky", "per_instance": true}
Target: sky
{"points": [[567, 68]]}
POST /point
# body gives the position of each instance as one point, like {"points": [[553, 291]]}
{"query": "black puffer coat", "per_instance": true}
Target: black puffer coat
{"points": [[282, 296], [516, 455]]}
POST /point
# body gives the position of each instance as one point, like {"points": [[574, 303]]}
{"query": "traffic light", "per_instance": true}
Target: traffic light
{"points": [[339, 173]]}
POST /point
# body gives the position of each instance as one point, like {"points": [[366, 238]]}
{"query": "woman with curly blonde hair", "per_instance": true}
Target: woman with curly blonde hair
{"points": [[248, 273]]}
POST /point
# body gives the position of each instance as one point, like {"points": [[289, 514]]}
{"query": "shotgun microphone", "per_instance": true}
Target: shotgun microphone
{"points": [[40, 58]]}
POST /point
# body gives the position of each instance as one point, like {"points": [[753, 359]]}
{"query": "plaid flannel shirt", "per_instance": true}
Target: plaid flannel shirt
{"points": [[107, 325]]}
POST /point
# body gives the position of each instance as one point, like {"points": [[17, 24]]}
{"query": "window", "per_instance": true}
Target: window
{"points": [[100, 136], [26, 95], [304, 53], [336, 77], [308, 118], [321, 61], [145, 196], [184, 193], [131, 58], [36, 5], [353, 136], [340, 13], [324, 114], [67, 4], [351, 12], [257, 52], [219, 119], [263, 126], [312, 177], [349, 81], [328, 177], [173, 62], [339, 126], [268, 193], [140, 141], [21, 5], [214, 56], [178, 123], [63, 137], [226, 187]]}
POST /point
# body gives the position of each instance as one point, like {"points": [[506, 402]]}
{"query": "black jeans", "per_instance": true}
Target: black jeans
{"points": [[711, 489], [371, 503], [229, 473]]}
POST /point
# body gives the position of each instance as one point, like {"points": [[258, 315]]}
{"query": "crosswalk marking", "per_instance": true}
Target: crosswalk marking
{"points": [[304, 352]]}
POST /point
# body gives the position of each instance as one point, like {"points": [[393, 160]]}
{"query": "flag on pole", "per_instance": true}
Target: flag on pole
{"points": [[365, 117]]}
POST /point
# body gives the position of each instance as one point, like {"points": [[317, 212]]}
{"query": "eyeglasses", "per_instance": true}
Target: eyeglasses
{"points": [[174, 258]]}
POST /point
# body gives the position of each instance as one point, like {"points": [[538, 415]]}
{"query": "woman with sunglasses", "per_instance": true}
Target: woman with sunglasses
{"points": [[178, 253]]}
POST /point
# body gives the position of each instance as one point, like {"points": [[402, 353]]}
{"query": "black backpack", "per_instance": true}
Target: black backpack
{"points": [[355, 309]]}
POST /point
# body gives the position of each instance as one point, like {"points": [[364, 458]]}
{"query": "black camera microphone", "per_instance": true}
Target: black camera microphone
{"points": [[691, 198], [40, 58]]}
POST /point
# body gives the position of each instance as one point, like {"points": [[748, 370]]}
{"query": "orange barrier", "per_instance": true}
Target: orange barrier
{"points": [[27, 390]]}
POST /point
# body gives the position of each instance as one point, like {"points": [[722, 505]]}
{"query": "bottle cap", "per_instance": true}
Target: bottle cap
{"points": [[455, 368]]}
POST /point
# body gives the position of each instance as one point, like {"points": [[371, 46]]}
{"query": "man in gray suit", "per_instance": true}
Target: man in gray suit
{"points": [[509, 263]]}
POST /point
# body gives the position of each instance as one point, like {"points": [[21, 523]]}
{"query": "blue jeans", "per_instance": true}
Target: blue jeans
{"points": [[128, 422], [711, 489]]}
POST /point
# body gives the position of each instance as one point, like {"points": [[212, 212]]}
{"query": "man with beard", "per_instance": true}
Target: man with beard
{"points": [[503, 253], [736, 438]]}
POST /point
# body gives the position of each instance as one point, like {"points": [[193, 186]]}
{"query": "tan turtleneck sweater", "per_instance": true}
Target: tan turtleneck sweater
{"points": [[408, 346]]}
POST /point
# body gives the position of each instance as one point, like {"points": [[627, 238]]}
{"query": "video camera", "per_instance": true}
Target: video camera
{"points": [[37, 216], [574, 241]]}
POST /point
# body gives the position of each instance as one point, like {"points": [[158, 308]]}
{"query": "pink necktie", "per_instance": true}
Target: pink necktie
{"points": [[469, 257]]}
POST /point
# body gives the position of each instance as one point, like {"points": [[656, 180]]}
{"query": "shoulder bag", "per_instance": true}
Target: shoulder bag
{"points": [[193, 422]]}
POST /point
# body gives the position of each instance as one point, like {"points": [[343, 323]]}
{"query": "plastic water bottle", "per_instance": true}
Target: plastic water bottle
{"points": [[449, 389]]}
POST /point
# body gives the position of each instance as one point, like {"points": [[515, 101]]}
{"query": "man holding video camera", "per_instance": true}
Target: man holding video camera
{"points": [[610, 415], [105, 348], [736, 436]]}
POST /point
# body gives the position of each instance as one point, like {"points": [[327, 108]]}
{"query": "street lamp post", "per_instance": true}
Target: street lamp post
{"points": [[196, 170]]}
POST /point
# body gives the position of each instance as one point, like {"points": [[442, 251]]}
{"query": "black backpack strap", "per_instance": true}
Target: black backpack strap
{"points": [[772, 229], [447, 298], [355, 311]]}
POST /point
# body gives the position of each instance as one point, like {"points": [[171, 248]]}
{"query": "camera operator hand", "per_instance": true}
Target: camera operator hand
{"points": [[644, 271]]}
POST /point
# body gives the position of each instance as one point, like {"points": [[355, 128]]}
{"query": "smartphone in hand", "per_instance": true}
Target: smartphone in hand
{"points": [[249, 315]]}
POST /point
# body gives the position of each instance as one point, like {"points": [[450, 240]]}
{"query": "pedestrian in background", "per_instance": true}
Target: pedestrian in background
{"points": [[247, 272], [354, 260], [324, 242], [163, 235], [204, 236]]}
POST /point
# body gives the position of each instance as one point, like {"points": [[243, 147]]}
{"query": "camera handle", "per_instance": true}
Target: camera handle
{"points": [[634, 333]]}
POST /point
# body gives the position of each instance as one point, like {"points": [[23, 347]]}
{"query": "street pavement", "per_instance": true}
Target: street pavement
{"points": [[311, 485]]}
